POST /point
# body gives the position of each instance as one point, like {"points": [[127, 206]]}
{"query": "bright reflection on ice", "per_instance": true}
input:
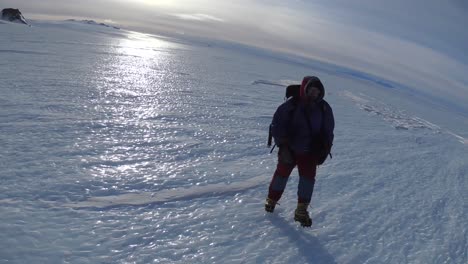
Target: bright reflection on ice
{"points": [[139, 59], [142, 45], [134, 83]]}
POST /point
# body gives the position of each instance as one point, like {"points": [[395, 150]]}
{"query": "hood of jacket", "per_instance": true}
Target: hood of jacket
{"points": [[311, 81]]}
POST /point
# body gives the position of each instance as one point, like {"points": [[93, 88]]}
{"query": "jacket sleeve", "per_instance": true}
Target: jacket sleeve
{"points": [[280, 122], [329, 124]]}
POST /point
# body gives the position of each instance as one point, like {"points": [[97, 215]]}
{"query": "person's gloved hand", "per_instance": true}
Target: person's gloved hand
{"points": [[285, 155], [323, 155], [321, 158]]}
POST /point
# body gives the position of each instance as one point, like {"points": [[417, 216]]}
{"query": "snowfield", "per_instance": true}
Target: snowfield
{"points": [[123, 147]]}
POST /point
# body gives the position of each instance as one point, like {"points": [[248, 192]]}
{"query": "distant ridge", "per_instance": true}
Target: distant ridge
{"points": [[92, 22], [13, 15]]}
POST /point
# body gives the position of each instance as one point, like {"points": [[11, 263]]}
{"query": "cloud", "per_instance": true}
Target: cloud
{"points": [[198, 17]]}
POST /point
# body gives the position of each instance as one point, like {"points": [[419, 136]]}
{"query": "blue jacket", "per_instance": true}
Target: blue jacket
{"points": [[306, 127]]}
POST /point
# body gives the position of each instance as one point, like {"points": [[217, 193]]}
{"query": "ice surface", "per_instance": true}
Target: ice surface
{"points": [[120, 147]]}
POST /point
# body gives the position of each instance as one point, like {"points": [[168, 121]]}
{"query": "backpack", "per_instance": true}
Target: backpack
{"points": [[293, 93]]}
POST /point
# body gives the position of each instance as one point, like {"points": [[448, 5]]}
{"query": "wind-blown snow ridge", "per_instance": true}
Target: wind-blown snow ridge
{"points": [[397, 118], [7, 201], [274, 83], [460, 138], [24, 52], [145, 198]]}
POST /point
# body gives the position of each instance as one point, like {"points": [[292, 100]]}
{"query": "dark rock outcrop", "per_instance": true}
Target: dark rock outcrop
{"points": [[13, 15]]}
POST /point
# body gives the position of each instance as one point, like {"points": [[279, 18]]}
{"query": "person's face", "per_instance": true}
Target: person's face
{"points": [[312, 93]]}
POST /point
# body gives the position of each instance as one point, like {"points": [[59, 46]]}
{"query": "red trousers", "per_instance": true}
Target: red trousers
{"points": [[306, 166]]}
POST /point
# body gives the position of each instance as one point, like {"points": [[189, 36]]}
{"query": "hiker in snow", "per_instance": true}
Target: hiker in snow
{"points": [[302, 128]]}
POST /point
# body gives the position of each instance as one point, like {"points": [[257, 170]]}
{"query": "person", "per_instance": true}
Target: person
{"points": [[302, 128]]}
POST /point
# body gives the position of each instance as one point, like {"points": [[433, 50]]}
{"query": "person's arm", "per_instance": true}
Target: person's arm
{"points": [[329, 126], [280, 125]]}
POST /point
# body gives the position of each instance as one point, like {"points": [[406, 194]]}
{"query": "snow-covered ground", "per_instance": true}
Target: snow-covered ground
{"points": [[122, 147]]}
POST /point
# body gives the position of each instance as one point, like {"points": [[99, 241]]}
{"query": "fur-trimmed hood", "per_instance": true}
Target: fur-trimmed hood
{"points": [[314, 82]]}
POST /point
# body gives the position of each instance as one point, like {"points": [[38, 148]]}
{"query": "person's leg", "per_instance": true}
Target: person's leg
{"points": [[279, 181], [307, 167]]}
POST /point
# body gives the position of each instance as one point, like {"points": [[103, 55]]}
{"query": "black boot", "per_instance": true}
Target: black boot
{"points": [[270, 205], [302, 216]]}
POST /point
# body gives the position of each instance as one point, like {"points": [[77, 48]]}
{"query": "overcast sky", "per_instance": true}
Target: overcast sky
{"points": [[397, 38]]}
